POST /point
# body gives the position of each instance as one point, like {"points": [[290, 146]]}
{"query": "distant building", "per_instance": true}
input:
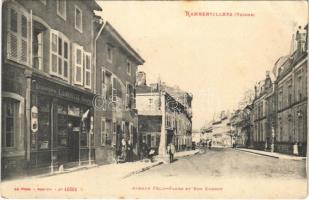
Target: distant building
{"points": [[263, 114], [164, 112], [221, 132]]}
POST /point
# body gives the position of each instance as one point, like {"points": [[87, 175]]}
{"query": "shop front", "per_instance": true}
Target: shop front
{"points": [[60, 126]]}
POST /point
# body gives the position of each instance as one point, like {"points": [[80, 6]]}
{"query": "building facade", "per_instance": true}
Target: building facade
{"points": [[115, 107], [163, 117], [263, 114], [47, 84], [291, 97]]}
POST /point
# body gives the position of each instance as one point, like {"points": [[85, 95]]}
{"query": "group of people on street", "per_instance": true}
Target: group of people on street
{"points": [[126, 152]]}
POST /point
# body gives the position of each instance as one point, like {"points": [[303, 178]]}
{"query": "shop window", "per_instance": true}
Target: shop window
{"points": [[18, 35], [108, 132], [87, 67], [9, 122], [62, 133], [78, 19], [62, 8], [59, 55], [43, 134]]}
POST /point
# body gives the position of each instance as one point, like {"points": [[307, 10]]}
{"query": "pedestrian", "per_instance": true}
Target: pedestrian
{"points": [[171, 151], [209, 144], [130, 151], [123, 150], [143, 151]]}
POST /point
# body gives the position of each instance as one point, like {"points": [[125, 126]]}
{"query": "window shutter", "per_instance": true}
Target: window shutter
{"points": [[103, 85], [87, 67], [18, 35], [53, 52], [24, 39], [78, 64]]}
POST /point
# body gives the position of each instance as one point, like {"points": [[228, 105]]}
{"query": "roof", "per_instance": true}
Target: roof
{"points": [[113, 32], [93, 5]]}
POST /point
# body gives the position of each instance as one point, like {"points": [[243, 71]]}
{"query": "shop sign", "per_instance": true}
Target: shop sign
{"points": [[34, 119], [62, 93]]}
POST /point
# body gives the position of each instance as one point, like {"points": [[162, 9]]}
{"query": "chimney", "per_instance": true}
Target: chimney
{"points": [[141, 78], [301, 39]]}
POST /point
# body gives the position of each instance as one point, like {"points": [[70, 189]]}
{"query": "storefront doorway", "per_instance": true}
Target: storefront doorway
{"points": [[74, 138]]}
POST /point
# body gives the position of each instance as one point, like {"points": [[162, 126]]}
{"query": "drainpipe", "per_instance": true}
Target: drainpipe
{"points": [[28, 75]]}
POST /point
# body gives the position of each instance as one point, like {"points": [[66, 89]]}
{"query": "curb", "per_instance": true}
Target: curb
{"points": [[66, 171], [187, 155], [272, 156], [142, 170]]}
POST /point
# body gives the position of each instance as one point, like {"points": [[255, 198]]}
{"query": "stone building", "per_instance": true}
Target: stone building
{"points": [[115, 108], [291, 99], [163, 114], [263, 116], [47, 84]]}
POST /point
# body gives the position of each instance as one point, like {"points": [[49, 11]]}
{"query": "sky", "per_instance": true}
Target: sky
{"points": [[215, 58]]}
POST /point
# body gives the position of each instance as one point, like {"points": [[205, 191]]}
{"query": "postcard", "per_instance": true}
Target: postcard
{"points": [[154, 99]]}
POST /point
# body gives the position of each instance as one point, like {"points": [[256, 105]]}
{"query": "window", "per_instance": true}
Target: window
{"points": [[129, 96], [114, 90], [18, 36], [109, 53], [9, 122], [299, 87], [103, 132], [62, 8], [103, 85], [289, 85], [114, 133], [128, 67], [280, 99], [78, 19], [87, 67], [78, 64], [59, 55], [38, 33]]}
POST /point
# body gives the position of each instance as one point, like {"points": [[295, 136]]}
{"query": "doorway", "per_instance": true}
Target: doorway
{"points": [[74, 132]]}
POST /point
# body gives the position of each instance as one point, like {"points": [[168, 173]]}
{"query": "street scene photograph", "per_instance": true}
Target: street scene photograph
{"points": [[154, 99]]}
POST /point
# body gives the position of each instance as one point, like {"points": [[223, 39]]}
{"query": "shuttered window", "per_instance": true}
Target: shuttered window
{"points": [[78, 64], [18, 35], [87, 67]]}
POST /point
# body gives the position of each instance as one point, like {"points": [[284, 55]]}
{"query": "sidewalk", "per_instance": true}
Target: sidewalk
{"points": [[114, 171], [272, 154]]}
